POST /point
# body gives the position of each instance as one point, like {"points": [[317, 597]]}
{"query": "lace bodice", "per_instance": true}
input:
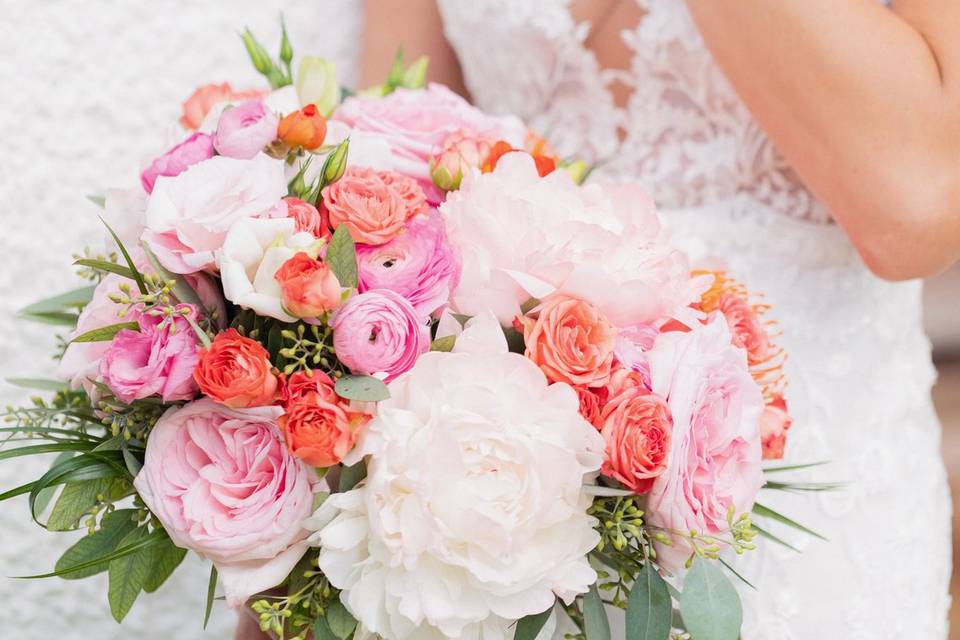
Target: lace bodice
{"points": [[686, 135]]}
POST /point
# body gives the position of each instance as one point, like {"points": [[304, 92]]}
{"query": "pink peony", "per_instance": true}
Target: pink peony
{"points": [[244, 130], [197, 148], [374, 205], [714, 460], [156, 360], [223, 484], [420, 265], [379, 332], [188, 216]]}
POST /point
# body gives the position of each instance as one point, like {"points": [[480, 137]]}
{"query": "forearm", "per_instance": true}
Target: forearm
{"points": [[857, 99]]}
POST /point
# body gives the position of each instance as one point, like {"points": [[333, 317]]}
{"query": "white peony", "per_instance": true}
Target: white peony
{"points": [[252, 252], [473, 512], [522, 237]]}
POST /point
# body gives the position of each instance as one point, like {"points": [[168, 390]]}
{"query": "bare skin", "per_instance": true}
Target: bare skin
{"points": [[864, 102]]}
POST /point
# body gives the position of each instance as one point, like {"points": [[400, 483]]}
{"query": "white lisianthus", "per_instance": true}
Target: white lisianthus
{"points": [[473, 512], [523, 236], [252, 252]]}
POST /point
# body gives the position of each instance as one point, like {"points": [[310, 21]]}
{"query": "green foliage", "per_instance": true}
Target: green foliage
{"points": [[134, 273], [767, 512], [445, 343], [624, 545], [306, 347], [127, 574], [528, 627], [84, 498], [351, 476], [709, 604], [211, 592], [412, 77], [362, 388], [104, 334], [104, 266], [105, 540], [39, 384], [166, 558], [277, 73], [649, 607], [342, 257], [61, 309], [595, 622]]}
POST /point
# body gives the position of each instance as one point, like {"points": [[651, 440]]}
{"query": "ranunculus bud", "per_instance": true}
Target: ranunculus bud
{"points": [[317, 84], [244, 130], [461, 153], [305, 128], [308, 287]]}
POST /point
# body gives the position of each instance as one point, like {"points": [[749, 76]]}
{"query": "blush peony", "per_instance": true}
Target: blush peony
{"points": [[223, 484], [473, 512], [420, 265], [714, 461], [188, 216], [522, 236]]}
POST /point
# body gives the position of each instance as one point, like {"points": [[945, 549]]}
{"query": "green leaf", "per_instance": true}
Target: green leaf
{"points": [[100, 201], [595, 620], [58, 318], [709, 604], [133, 463], [351, 476], [794, 467], [649, 608], [52, 447], [211, 592], [87, 466], [529, 627], [802, 486], [342, 257], [767, 512], [121, 551], [75, 501], [128, 574], [736, 573], [769, 536], [166, 558], [45, 495], [362, 388], [134, 273], [445, 343], [340, 621], [182, 290], [106, 266], [73, 299], [39, 384], [515, 343], [322, 631], [113, 528], [275, 340], [105, 333]]}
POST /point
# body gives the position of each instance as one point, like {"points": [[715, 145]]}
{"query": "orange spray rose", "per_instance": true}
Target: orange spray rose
{"points": [[236, 371]]}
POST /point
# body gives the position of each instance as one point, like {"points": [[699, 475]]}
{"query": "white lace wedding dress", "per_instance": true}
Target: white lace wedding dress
{"points": [[859, 368]]}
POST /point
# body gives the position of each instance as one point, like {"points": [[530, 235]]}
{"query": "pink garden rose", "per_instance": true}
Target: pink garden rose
{"points": [[158, 359], [635, 425], [197, 148], [244, 130], [308, 218], [416, 122], [223, 484], [379, 332], [188, 216], [714, 459], [374, 205], [419, 264]]}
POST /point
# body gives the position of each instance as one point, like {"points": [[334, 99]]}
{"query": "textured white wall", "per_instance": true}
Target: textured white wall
{"points": [[87, 91]]}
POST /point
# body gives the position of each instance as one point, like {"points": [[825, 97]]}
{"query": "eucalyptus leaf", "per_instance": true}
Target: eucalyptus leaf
{"points": [[595, 621], [322, 631], [73, 299], [106, 333], [351, 476], [342, 257], [58, 318], [133, 463], [211, 592], [106, 539], [529, 627], [649, 608], [166, 558], [340, 621], [105, 266], [445, 343], [100, 201], [709, 604], [128, 574], [40, 384], [362, 388]]}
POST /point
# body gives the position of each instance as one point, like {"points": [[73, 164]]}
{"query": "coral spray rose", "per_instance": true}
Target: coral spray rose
{"points": [[745, 327], [571, 341], [774, 424], [305, 128], [308, 287], [307, 216], [236, 371], [635, 425], [374, 205]]}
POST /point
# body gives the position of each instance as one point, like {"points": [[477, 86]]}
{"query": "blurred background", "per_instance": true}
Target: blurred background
{"points": [[89, 92]]}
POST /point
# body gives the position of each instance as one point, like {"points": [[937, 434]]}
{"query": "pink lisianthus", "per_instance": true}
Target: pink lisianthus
{"points": [[197, 148], [244, 130], [774, 424], [713, 465], [223, 484], [419, 264], [416, 122], [379, 332], [635, 425], [374, 205], [188, 216], [156, 360]]}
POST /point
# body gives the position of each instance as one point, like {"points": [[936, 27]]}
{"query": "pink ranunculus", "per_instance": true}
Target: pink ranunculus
{"points": [[223, 484], [188, 216], [420, 265], [197, 148], [308, 218], [244, 130], [379, 332], [774, 424], [416, 122], [206, 97], [158, 359], [714, 460]]}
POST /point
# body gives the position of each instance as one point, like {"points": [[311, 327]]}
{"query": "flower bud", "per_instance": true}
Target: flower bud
{"points": [[461, 152], [578, 169], [336, 163], [415, 77], [258, 55], [317, 84], [305, 128], [286, 49]]}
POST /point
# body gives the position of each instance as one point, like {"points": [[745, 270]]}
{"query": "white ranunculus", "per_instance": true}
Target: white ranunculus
{"points": [[252, 252], [188, 215], [473, 512], [522, 237]]}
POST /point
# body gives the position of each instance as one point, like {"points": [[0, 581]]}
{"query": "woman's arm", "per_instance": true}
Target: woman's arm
{"points": [[416, 26], [865, 103]]}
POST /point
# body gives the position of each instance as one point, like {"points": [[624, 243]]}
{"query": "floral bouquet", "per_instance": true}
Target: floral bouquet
{"points": [[399, 371]]}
